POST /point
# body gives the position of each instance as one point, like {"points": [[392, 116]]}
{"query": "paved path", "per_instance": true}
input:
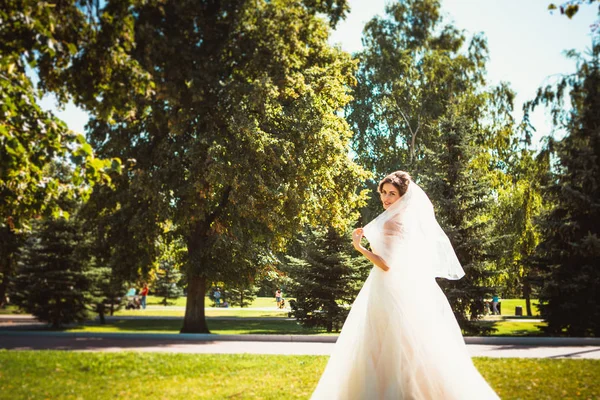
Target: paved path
{"points": [[526, 347], [114, 344]]}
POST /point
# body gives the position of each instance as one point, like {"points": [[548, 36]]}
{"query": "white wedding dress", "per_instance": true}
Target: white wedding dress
{"points": [[401, 339]]}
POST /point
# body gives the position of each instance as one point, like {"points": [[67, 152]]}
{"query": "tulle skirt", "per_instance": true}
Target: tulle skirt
{"points": [[401, 341]]}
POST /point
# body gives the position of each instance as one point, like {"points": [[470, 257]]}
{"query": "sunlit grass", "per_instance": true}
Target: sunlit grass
{"points": [[514, 328], [509, 305], [242, 326], [238, 312], [128, 375], [259, 302]]}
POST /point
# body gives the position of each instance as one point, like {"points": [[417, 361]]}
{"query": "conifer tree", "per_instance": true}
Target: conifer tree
{"points": [[462, 198], [241, 295], [167, 281], [53, 280], [569, 252], [325, 279]]}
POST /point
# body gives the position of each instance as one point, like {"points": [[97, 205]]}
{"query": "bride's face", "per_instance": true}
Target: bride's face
{"points": [[389, 195]]}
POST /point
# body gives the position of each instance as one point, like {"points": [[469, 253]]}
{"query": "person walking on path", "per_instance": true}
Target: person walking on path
{"points": [[144, 294], [217, 296], [495, 301], [278, 297]]}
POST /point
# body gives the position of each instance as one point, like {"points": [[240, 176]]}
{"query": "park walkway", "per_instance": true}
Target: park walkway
{"points": [[267, 345], [13, 339]]}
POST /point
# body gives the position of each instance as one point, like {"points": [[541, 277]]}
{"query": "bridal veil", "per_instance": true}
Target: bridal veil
{"points": [[401, 339]]}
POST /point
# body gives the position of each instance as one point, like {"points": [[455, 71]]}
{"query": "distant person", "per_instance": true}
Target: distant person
{"points": [[217, 296], [495, 301], [278, 297], [144, 294]]}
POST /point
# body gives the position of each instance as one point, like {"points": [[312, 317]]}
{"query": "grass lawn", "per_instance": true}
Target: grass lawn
{"points": [[253, 326], [11, 310], [126, 375], [236, 312], [514, 328], [236, 327], [508, 307], [259, 302]]}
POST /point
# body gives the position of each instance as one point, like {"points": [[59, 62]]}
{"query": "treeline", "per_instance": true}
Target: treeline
{"points": [[229, 144]]}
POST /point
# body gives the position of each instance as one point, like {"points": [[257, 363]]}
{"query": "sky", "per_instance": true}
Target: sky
{"points": [[526, 45], [525, 42]]}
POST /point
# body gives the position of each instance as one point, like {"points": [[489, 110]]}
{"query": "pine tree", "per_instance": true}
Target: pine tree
{"points": [[241, 295], [569, 253], [167, 281], [462, 197], [53, 279], [325, 279]]}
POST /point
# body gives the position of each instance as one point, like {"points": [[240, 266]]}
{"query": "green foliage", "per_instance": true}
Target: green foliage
{"points": [[166, 283], [411, 70], [53, 280], [241, 296], [462, 198], [519, 204], [231, 114], [570, 247], [325, 279], [167, 275], [43, 37], [570, 8], [420, 105]]}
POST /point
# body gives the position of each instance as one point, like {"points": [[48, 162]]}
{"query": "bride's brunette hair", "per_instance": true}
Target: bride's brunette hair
{"points": [[399, 179]]}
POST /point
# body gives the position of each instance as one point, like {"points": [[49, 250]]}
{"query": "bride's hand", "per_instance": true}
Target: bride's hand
{"points": [[357, 237]]}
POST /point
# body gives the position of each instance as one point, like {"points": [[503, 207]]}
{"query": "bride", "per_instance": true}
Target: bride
{"points": [[401, 340]]}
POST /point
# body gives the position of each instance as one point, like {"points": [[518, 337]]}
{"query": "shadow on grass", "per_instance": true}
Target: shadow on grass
{"points": [[259, 326], [233, 326], [512, 328]]}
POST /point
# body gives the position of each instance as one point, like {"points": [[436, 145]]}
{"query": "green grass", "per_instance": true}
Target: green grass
{"points": [[509, 305], [126, 375], [236, 327], [180, 302], [514, 328], [259, 302], [11, 310], [236, 312], [244, 326]]}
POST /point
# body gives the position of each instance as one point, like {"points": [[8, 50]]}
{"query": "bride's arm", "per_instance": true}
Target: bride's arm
{"points": [[374, 258]]}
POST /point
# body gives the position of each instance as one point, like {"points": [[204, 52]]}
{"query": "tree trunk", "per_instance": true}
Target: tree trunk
{"points": [[5, 271], [8, 247], [195, 319], [527, 295], [199, 243], [101, 311]]}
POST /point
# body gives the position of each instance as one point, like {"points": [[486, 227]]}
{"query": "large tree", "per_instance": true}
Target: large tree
{"points": [[412, 68], [570, 246], [519, 204], [461, 189], [41, 37], [232, 120]]}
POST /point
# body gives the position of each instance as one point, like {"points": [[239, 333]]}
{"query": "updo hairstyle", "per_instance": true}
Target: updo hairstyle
{"points": [[399, 179]]}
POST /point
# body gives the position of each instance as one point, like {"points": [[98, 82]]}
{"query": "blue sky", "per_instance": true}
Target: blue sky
{"points": [[526, 45]]}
